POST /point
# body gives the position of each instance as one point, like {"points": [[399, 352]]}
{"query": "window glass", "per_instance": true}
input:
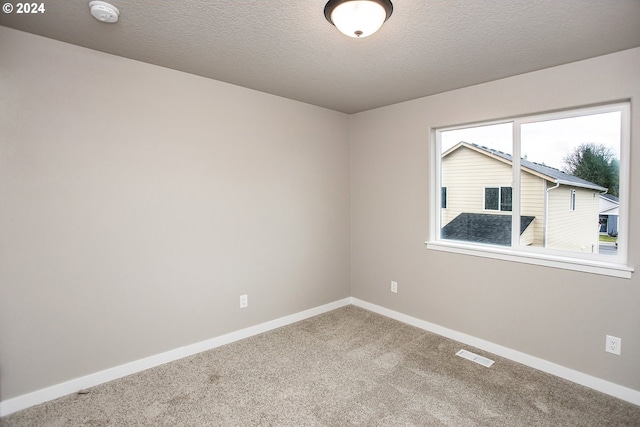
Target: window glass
{"points": [[553, 180], [491, 197], [579, 158], [473, 184], [506, 199]]}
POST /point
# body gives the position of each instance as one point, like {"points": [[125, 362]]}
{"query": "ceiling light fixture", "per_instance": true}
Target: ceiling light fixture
{"points": [[104, 12], [358, 18]]}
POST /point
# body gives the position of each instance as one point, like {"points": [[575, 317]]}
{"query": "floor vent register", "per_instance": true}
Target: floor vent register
{"points": [[475, 358]]}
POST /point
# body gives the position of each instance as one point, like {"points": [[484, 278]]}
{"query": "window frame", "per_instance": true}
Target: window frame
{"points": [[500, 192], [592, 263]]}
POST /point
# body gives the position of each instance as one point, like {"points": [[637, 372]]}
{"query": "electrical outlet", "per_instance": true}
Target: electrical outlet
{"points": [[394, 287], [613, 345], [244, 301]]}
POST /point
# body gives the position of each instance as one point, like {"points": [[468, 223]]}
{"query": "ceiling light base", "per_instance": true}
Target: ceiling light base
{"points": [[358, 18]]}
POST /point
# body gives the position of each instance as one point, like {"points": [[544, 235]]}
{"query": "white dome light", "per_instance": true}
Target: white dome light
{"points": [[358, 18]]}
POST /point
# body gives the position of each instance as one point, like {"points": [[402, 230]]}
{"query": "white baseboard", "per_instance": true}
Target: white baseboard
{"points": [[612, 389], [24, 401]]}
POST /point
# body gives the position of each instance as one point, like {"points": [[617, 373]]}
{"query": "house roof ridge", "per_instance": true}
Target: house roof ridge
{"points": [[611, 197], [553, 173]]}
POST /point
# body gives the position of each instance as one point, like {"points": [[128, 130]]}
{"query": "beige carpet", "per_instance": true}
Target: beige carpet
{"points": [[347, 367]]}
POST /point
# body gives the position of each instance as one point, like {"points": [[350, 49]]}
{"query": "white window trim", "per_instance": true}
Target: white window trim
{"points": [[577, 262], [506, 254]]}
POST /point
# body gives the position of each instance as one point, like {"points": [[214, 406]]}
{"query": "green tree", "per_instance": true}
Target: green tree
{"points": [[595, 163]]}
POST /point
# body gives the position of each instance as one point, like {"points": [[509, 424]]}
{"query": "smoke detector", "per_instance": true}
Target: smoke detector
{"points": [[104, 12]]}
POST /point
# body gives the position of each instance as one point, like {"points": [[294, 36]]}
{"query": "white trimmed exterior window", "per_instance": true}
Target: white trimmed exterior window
{"points": [[499, 189], [498, 199], [572, 200]]}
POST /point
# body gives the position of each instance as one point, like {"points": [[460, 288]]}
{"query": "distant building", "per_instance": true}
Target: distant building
{"points": [[558, 210], [609, 211]]}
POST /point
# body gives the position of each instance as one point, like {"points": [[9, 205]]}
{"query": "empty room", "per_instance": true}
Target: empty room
{"points": [[320, 213]]}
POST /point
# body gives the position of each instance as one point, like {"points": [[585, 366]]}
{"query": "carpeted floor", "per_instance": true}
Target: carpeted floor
{"points": [[346, 367]]}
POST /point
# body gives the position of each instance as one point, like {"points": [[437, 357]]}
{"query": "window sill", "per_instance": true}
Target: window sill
{"points": [[586, 266]]}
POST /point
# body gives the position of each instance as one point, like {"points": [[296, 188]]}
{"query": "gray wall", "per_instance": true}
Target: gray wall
{"points": [[558, 315], [138, 203]]}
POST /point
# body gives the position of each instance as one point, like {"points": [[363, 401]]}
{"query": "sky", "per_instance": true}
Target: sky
{"points": [[545, 142]]}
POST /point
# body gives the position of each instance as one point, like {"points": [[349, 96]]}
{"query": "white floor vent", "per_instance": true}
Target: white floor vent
{"points": [[475, 358]]}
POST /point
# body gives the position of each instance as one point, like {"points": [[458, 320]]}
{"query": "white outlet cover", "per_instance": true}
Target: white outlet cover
{"points": [[394, 287], [244, 301], [613, 345]]}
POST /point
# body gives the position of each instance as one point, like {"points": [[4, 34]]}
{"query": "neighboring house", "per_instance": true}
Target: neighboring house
{"points": [[609, 208], [558, 210]]}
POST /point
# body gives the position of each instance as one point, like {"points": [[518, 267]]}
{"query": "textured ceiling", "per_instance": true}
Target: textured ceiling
{"points": [[287, 48]]}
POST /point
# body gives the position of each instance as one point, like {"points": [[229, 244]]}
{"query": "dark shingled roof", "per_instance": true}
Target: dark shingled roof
{"points": [[483, 228], [554, 174]]}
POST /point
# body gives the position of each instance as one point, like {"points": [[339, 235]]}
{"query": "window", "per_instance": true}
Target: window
{"points": [[491, 198], [505, 199], [504, 185], [604, 219], [497, 198]]}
